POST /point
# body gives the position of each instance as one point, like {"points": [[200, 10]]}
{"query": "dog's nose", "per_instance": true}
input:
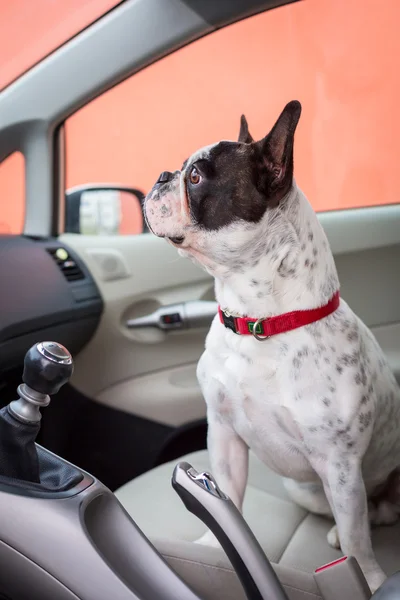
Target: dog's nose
{"points": [[164, 177]]}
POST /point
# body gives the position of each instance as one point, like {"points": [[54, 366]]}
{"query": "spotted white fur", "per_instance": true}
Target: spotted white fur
{"points": [[319, 404]]}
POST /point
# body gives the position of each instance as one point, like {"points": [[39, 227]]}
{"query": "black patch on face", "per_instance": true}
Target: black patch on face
{"points": [[227, 191], [240, 181]]}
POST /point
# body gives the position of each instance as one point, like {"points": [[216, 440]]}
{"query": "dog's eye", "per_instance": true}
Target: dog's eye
{"points": [[194, 176]]}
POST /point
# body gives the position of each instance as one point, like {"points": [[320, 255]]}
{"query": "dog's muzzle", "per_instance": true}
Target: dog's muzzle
{"points": [[164, 216]]}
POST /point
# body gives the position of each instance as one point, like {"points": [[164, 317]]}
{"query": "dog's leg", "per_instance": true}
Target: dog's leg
{"points": [[312, 497], [345, 490], [229, 464]]}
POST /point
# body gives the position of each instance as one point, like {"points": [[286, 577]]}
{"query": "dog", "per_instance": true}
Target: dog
{"points": [[313, 398]]}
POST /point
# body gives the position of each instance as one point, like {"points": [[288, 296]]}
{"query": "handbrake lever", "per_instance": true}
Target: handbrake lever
{"points": [[201, 495]]}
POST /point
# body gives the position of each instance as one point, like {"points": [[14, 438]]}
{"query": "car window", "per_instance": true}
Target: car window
{"points": [[343, 69], [12, 194], [31, 30]]}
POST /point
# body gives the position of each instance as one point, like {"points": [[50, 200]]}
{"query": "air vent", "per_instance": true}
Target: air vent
{"points": [[67, 265]]}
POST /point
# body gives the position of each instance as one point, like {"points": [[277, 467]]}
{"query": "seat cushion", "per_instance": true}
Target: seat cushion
{"points": [[289, 535]]}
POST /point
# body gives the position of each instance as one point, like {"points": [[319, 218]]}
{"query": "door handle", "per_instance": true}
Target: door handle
{"points": [[186, 315]]}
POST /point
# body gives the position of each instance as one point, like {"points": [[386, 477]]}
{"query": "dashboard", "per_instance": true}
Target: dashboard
{"points": [[46, 293]]}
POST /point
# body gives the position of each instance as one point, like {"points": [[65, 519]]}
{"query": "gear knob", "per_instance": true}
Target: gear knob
{"points": [[47, 367]]}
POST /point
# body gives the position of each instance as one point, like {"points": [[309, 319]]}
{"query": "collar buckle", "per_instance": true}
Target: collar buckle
{"points": [[229, 321]]}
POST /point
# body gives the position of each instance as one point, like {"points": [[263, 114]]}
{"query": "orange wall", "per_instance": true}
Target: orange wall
{"points": [[31, 29], [338, 57], [12, 194]]}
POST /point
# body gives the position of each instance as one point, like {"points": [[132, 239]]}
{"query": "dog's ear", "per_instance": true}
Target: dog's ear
{"points": [[244, 134], [276, 148]]}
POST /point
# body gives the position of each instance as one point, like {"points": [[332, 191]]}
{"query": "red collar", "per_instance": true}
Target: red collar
{"points": [[265, 328]]}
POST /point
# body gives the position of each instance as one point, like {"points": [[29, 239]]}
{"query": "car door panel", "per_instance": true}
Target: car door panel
{"points": [[147, 372], [152, 373]]}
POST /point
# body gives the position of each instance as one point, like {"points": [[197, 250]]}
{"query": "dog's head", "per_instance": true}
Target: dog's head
{"points": [[213, 204]]}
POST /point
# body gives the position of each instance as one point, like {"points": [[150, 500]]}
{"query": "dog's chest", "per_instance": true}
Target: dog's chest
{"points": [[251, 401]]}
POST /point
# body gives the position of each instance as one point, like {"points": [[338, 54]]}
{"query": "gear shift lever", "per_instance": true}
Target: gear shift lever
{"points": [[47, 366]]}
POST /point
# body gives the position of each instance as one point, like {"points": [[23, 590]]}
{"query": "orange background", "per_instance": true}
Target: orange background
{"points": [[340, 58], [31, 29]]}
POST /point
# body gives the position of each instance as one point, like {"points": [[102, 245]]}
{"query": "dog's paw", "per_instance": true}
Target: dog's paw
{"points": [[333, 538], [208, 539]]}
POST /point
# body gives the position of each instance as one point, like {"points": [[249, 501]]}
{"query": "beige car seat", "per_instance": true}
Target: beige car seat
{"points": [[293, 539]]}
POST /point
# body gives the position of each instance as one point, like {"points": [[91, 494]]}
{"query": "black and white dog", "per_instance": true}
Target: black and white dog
{"points": [[289, 370]]}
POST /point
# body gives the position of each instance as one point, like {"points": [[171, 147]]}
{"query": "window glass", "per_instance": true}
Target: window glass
{"points": [[12, 194], [338, 57]]}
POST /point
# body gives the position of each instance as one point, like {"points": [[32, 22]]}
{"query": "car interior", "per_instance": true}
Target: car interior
{"points": [[107, 523]]}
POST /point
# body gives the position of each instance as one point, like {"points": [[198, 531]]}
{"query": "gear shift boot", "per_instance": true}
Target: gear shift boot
{"points": [[56, 475], [18, 455], [23, 464]]}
